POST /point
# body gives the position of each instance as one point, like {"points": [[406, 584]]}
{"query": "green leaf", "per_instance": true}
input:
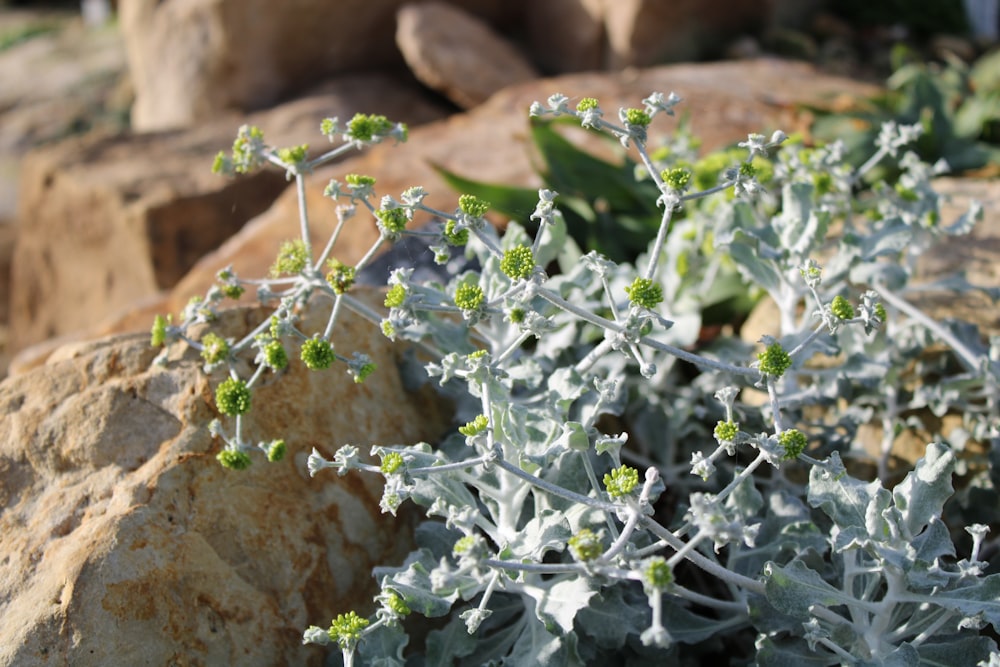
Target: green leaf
{"points": [[957, 651], [559, 602], [800, 226], [451, 642], [548, 531], [842, 498], [744, 249], [922, 494], [609, 618], [794, 588], [514, 202], [982, 597]]}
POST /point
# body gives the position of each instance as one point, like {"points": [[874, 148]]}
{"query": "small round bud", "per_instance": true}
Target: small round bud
{"points": [[234, 459], [518, 262], [644, 293], [455, 238], [276, 451], [232, 397], [317, 354], [585, 545], [621, 481], [395, 296], [726, 431], [842, 308], [473, 206], [292, 259], [774, 360], [793, 441], [391, 462], [657, 575], [214, 348], [469, 296]]}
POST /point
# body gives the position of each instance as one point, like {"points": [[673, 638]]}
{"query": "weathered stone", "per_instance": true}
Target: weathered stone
{"points": [[567, 35], [457, 54], [124, 542], [190, 60], [108, 220]]}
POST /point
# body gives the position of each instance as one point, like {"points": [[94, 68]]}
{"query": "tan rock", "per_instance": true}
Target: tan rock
{"points": [[191, 60], [124, 542], [108, 220], [457, 54], [567, 35]]}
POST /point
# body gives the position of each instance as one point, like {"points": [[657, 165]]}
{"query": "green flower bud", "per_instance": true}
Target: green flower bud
{"points": [[774, 360], [359, 180], [317, 354], [587, 104], [880, 312], [158, 334], [585, 545], [292, 259], [367, 127], [275, 355], [747, 170], [232, 397], [341, 276], [658, 575], [391, 462], [475, 427], [214, 348], [473, 206], [464, 545], [276, 451], [469, 296], [518, 262], [637, 117], [459, 238], [794, 442], [393, 220], [621, 481], [726, 431], [677, 179], [644, 293], [396, 604], [346, 629], [395, 297], [293, 154], [234, 459], [388, 330], [842, 308]]}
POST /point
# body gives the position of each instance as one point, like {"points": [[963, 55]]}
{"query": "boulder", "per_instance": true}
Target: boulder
{"points": [[575, 35], [106, 220], [456, 54], [123, 540], [190, 60]]}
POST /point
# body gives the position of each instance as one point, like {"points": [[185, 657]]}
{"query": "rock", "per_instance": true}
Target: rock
{"points": [[124, 542], [59, 80], [191, 60], [457, 54], [108, 220], [567, 35]]}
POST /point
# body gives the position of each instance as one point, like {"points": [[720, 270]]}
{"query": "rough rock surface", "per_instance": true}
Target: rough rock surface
{"points": [[189, 60], [124, 542], [456, 54], [108, 220]]}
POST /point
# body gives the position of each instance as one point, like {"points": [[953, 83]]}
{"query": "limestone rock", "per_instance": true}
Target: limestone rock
{"points": [[124, 542], [190, 60], [457, 54], [108, 220], [567, 35]]}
